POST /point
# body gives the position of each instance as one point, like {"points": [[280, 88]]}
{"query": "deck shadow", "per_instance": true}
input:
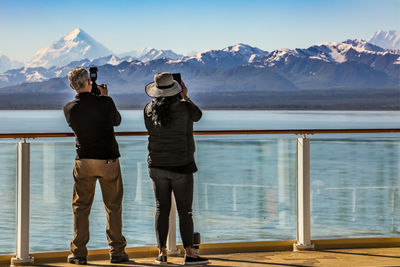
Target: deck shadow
{"points": [[358, 254], [258, 262]]}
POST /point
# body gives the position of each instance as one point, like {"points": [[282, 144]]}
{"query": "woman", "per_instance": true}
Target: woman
{"points": [[169, 122]]}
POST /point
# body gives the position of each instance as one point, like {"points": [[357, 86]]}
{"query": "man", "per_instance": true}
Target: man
{"points": [[92, 118]]}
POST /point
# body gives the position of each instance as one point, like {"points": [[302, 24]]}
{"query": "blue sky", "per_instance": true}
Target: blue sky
{"points": [[185, 26]]}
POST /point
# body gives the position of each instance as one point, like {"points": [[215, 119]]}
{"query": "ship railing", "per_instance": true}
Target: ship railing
{"points": [[303, 240]]}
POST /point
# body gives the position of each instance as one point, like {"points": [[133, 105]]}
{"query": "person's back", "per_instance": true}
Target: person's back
{"points": [[92, 119], [172, 145]]}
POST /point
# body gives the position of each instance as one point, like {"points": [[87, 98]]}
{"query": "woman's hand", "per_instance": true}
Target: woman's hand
{"points": [[184, 91]]}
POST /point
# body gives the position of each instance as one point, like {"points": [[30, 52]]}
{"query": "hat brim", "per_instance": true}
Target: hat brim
{"points": [[153, 91]]}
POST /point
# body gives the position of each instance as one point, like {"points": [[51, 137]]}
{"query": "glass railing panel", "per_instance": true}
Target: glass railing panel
{"points": [[245, 189], [51, 166], [138, 203], [355, 188], [8, 196]]}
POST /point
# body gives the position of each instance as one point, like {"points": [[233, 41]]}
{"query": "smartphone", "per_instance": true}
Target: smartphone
{"points": [[177, 77]]}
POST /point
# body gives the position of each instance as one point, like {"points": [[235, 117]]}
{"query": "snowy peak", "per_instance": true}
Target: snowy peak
{"points": [[76, 45], [362, 45], [149, 53], [243, 49], [247, 51], [76, 33], [231, 56], [279, 55], [386, 39], [342, 48], [334, 52], [145, 50]]}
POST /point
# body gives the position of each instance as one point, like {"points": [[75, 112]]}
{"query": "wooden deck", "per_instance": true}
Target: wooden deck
{"points": [[326, 258]]}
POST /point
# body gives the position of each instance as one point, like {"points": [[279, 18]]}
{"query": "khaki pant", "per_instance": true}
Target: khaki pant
{"points": [[86, 173]]}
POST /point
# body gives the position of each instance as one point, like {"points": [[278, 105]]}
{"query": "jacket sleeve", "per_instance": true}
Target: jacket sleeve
{"points": [[114, 113], [67, 114], [194, 111], [147, 118]]}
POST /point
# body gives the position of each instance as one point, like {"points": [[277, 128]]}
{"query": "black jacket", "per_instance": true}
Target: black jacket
{"points": [[172, 145], [92, 118]]}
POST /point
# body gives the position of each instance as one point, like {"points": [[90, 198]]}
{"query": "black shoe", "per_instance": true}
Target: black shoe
{"points": [[162, 260], [121, 258], [194, 261], [76, 260]]}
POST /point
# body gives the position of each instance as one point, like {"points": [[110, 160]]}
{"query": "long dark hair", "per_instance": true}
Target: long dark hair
{"points": [[160, 107]]}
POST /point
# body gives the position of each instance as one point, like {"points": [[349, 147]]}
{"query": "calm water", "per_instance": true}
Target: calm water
{"points": [[132, 120], [245, 188]]}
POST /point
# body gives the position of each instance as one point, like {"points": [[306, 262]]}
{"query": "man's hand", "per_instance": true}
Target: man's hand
{"points": [[103, 89]]}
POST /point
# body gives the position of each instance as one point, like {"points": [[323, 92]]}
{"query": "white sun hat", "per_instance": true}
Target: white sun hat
{"points": [[163, 85]]}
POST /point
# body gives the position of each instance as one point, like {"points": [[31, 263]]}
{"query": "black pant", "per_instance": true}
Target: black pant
{"points": [[164, 182]]}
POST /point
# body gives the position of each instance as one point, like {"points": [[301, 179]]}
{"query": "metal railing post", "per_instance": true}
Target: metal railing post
{"points": [[22, 254], [171, 240], [303, 196]]}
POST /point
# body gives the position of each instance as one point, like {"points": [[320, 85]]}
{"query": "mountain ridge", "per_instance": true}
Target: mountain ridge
{"points": [[306, 68], [352, 66]]}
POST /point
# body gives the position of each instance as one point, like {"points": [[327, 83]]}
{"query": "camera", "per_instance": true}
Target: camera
{"points": [[177, 77], [93, 78]]}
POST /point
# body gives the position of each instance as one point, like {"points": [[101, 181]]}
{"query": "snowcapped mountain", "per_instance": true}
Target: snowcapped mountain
{"points": [[351, 63], [6, 64], [239, 54], [363, 46], [39, 74], [228, 57], [386, 39], [248, 52], [77, 45], [150, 53], [335, 71], [334, 52]]}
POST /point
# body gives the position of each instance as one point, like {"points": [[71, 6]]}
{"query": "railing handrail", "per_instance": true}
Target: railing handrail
{"points": [[218, 132]]}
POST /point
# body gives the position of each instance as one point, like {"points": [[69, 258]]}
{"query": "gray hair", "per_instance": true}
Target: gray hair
{"points": [[78, 77]]}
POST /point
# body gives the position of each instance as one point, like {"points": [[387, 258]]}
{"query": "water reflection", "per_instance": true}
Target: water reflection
{"points": [[358, 189], [49, 171], [8, 174], [246, 190]]}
